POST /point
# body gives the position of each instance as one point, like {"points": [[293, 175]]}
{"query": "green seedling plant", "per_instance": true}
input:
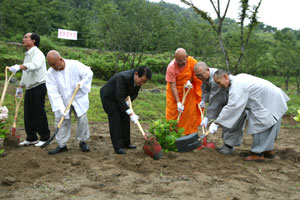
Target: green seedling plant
{"points": [[3, 132], [166, 133], [297, 118]]}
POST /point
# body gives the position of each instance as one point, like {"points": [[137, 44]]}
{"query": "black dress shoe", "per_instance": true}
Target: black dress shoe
{"points": [[120, 151], [57, 150], [130, 146], [84, 147]]}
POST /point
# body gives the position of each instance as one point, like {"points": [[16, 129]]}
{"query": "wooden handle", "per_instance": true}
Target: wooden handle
{"points": [[204, 135], [5, 85], [18, 103], [185, 94], [138, 123], [202, 117], [68, 107], [183, 100]]}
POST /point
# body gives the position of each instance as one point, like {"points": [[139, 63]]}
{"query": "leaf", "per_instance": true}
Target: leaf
{"points": [[180, 130], [1, 151]]}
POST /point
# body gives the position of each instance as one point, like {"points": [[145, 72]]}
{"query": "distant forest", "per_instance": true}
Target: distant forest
{"points": [[139, 27]]}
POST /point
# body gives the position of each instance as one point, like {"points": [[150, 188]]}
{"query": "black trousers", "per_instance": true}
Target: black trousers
{"points": [[119, 124], [119, 129], [35, 117]]}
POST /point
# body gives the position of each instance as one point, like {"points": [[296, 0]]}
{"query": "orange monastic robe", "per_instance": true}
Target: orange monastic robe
{"points": [[190, 119]]}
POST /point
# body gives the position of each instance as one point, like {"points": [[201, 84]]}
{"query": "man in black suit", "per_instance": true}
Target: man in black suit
{"points": [[113, 95]]}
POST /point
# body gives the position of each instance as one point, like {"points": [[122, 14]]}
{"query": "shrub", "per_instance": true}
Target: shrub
{"points": [[158, 78], [297, 118], [166, 133], [46, 45]]}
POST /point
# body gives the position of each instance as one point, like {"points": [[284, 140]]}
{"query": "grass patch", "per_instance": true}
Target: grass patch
{"points": [[148, 106]]}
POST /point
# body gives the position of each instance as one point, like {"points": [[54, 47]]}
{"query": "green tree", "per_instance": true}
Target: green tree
{"points": [[285, 53], [217, 26]]}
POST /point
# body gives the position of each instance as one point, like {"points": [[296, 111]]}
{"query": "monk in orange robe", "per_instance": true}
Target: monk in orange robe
{"points": [[179, 72]]}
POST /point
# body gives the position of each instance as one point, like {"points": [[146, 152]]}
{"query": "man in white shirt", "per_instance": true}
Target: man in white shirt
{"points": [[217, 98], [265, 103], [61, 80], [33, 79]]}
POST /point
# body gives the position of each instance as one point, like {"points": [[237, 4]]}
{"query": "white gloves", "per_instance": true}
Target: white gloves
{"points": [[188, 84], [80, 83], [204, 122], [202, 104], [19, 92], [213, 128], [180, 107], [133, 117], [62, 112], [14, 68], [3, 113]]}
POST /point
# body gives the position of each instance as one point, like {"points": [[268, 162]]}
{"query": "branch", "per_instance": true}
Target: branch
{"points": [[253, 23], [202, 13]]}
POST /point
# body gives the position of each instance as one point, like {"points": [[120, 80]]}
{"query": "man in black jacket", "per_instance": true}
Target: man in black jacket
{"points": [[113, 95]]}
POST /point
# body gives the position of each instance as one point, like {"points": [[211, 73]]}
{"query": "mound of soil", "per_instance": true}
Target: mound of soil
{"points": [[30, 173]]}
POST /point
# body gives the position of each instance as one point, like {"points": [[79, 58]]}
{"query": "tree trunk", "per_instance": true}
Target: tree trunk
{"points": [[287, 83]]}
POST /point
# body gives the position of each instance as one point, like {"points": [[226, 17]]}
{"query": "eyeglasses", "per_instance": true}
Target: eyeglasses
{"points": [[199, 75]]}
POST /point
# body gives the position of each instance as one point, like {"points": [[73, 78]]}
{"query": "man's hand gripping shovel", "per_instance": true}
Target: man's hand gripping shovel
{"points": [[190, 142], [151, 146], [62, 118], [185, 93]]}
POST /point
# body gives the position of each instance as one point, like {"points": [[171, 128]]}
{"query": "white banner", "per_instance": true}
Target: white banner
{"points": [[67, 34]]}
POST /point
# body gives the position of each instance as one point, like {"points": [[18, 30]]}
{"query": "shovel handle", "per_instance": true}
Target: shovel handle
{"points": [[183, 100], [202, 117], [5, 85], [203, 136], [138, 123], [185, 94], [62, 118], [69, 105], [18, 103]]}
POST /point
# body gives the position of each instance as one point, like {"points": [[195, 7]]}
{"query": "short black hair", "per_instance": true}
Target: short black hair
{"points": [[144, 70], [220, 72], [35, 37]]}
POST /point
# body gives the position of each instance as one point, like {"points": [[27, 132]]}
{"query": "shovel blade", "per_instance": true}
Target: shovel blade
{"points": [[153, 148], [188, 143]]}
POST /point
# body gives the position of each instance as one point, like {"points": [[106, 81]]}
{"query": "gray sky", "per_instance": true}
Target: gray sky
{"points": [[277, 13]]}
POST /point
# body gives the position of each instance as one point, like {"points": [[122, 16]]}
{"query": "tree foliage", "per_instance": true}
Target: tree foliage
{"points": [[128, 33]]}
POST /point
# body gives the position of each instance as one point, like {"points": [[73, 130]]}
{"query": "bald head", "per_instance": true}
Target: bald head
{"points": [[202, 71], [180, 57], [55, 60]]}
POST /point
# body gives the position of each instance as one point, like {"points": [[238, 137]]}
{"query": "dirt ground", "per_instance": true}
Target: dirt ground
{"points": [[30, 173]]}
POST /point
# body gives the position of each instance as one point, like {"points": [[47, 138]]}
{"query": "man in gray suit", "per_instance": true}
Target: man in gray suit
{"points": [[266, 104], [217, 98]]}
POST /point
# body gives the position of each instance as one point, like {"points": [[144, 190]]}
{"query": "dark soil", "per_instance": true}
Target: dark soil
{"points": [[30, 173]]}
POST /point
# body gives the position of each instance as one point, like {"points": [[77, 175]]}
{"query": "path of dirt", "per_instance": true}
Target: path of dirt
{"points": [[30, 173]]}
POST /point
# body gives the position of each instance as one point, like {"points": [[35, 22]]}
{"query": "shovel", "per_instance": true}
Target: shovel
{"points": [[151, 146], [205, 144], [18, 102], [192, 141], [13, 140], [5, 86], [62, 118]]}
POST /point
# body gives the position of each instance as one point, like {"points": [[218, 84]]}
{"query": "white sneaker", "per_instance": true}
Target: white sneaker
{"points": [[40, 143], [25, 143]]}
